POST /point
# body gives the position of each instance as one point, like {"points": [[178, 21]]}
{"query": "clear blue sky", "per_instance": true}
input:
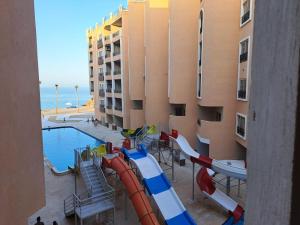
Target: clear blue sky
{"points": [[61, 28]]}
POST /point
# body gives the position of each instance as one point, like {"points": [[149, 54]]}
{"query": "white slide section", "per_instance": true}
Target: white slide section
{"points": [[232, 168]]}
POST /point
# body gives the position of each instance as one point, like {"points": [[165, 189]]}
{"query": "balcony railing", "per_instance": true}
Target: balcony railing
{"points": [[245, 17], [100, 61], [116, 52], [101, 93], [241, 131], [118, 90], [109, 106], [102, 108], [243, 57], [117, 72], [101, 77], [242, 94], [99, 44], [108, 89], [107, 55], [108, 73], [116, 34], [118, 107]]}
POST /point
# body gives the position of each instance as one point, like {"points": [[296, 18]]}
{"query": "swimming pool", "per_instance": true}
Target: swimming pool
{"points": [[59, 144]]}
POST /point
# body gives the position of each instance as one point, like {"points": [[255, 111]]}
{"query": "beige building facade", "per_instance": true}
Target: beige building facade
{"points": [[184, 67], [22, 186]]}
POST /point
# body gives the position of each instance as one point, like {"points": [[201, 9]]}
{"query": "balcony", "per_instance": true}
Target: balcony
{"points": [[109, 106], [116, 34], [100, 61], [245, 17], [118, 108], [102, 108], [101, 93], [91, 60], [101, 77], [118, 90], [107, 38], [117, 52], [108, 89], [91, 75], [108, 73], [90, 45], [242, 94], [107, 55], [99, 44], [117, 71], [244, 57]]}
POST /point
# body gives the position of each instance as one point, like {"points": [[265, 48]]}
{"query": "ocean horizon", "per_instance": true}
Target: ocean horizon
{"points": [[66, 95]]}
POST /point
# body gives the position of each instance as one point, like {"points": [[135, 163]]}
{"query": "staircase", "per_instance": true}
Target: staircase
{"points": [[99, 196]]}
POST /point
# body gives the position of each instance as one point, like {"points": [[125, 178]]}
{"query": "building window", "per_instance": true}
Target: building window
{"points": [[241, 125], [242, 89], [178, 109], [137, 104], [92, 86], [91, 72], [245, 11], [90, 42], [199, 86], [201, 21], [244, 45], [91, 57], [200, 54]]}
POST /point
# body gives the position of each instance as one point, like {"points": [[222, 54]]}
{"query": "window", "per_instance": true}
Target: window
{"points": [[91, 57], [201, 21], [90, 42], [92, 86], [137, 104], [91, 71], [199, 85], [200, 54], [245, 11], [178, 109], [242, 88], [241, 125], [244, 50]]}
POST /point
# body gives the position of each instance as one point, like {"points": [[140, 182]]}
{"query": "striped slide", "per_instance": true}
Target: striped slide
{"points": [[159, 187]]}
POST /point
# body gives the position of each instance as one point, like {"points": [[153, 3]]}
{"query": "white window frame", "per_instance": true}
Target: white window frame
{"points": [[236, 125], [200, 71], [248, 68], [242, 13]]}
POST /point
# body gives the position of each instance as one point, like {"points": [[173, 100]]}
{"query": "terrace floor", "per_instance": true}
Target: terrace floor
{"points": [[202, 209]]}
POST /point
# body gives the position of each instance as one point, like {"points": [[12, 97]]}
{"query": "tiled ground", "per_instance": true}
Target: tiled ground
{"points": [[202, 209]]}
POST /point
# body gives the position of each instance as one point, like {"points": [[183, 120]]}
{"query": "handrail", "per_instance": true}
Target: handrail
{"points": [[84, 170]]}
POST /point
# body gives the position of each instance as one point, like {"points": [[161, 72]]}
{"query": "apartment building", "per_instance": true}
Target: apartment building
{"points": [[108, 67], [163, 44], [223, 77]]}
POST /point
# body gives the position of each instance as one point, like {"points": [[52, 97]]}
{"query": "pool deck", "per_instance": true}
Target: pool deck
{"points": [[202, 209]]}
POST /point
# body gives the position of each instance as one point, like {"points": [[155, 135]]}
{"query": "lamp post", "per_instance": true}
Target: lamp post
{"points": [[76, 88], [56, 88]]}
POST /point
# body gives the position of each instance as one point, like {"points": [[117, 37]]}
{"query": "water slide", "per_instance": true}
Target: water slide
{"points": [[158, 186], [232, 168], [135, 190]]}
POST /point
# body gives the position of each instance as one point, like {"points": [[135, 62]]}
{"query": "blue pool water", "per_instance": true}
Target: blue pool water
{"points": [[59, 145]]}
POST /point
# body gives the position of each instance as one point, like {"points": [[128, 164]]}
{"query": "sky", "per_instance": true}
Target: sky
{"points": [[61, 38]]}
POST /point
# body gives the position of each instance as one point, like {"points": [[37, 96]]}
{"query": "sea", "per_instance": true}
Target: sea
{"points": [[66, 97]]}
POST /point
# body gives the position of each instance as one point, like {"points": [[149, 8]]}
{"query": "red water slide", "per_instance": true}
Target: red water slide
{"points": [[134, 188]]}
